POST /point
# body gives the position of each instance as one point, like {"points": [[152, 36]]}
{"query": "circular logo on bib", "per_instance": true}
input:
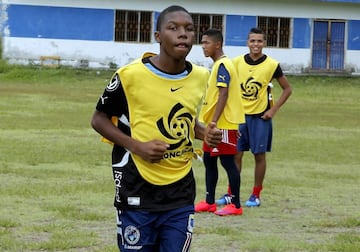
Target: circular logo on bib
{"points": [[114, 83]]}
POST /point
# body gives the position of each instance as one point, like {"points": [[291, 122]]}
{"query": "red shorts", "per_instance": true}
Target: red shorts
{"points": [[227, 145]]}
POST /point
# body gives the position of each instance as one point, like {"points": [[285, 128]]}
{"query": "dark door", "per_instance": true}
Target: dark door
{"points": [[328, 45]]}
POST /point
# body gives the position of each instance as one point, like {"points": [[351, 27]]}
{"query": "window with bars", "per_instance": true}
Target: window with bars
{"points": [[136, 26], [133, 26], [202, 22], [277, 31]]}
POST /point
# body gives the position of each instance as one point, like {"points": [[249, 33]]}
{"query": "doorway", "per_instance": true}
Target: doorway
{"points": [[328, 45]]}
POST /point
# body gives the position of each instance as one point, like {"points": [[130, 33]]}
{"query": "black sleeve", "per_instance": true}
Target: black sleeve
{"points": [[278, 72], [113, 101]]}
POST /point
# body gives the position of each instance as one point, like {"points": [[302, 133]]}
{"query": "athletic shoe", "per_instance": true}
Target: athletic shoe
{"points": [[229, 210], [202, 206], [224, 200], [253, 201]]}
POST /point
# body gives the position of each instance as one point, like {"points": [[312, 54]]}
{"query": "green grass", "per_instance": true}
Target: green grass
{"points": [[56, 182]]}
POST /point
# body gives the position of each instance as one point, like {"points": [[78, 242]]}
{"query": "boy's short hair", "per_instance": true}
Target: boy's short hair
{"points": [[172, 8], [215, 33], [257, 30]]}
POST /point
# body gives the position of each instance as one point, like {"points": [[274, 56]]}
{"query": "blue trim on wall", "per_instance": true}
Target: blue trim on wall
{"points": [[353, 35], [61, 22], [237, 29], [301, 33]]}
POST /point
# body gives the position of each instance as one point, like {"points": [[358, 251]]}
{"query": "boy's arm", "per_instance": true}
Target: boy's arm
{"points": [[151, 151], [222, 83], [286, 92], [221, 102], [102, 124]]}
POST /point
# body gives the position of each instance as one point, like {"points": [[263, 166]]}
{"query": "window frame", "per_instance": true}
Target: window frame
{"points": [[200, 27], [202, 22], [142, 33], [277, 39]]}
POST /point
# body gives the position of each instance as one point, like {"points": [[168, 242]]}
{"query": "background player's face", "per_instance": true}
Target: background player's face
{"points": [[256, 42], [176, 35], [208, 45]]}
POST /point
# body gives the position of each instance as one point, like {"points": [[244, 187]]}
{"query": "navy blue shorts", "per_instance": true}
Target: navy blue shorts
{"points": [[155, 231], [256, 135]]}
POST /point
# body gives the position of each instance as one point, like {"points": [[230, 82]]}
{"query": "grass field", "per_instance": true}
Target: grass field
{"points": [[56, 182]]}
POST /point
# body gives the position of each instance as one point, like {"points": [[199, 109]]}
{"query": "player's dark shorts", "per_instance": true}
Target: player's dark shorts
{"points": [[155, 231], [227, 145], [256, 135]]}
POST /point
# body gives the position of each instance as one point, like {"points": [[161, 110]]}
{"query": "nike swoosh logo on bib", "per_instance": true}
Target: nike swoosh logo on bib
{"points": [[175, 89]]}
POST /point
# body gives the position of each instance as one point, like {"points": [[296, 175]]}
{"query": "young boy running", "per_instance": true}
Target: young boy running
{"points": [[148, 112]]}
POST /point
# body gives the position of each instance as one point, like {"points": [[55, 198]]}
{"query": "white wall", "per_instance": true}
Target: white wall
{"points": [[353, 61], [101, 54]]}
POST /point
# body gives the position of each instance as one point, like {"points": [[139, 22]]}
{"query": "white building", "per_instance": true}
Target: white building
{"points": [[305, 36]]}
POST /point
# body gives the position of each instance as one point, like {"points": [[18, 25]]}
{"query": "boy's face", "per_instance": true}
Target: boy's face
{"points": [[256, 43], [209, 46], [176, 35]]}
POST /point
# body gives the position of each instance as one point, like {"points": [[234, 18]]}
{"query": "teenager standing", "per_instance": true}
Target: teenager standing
{"points": [[256, 72], [222, 105]]}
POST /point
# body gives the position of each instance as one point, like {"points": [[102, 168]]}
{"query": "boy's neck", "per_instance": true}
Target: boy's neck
{"points": [[218, 55], [168, 65], [256, 56]]}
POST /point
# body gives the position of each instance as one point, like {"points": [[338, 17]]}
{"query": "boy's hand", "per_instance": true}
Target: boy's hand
{"points": [[213, 135], [152, 151]]}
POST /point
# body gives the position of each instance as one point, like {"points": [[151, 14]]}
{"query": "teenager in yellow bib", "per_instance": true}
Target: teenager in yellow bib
{"points": [[256, 72], [222, 105], [154, 101]]}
